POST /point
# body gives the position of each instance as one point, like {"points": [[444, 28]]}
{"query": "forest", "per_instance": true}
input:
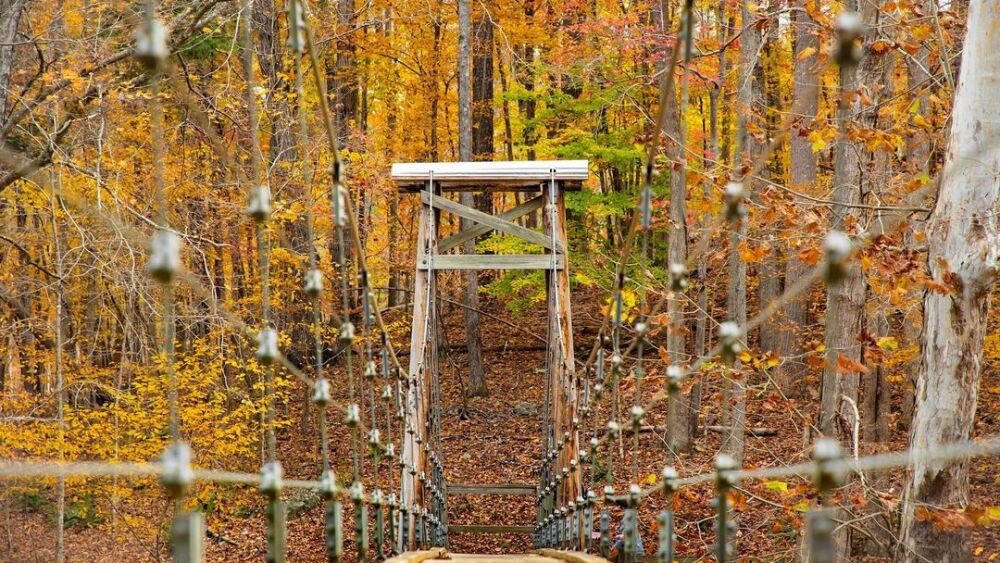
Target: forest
{"points": [[528, 280]]}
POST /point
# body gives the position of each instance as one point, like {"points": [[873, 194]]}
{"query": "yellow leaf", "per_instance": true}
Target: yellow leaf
{"points": [[772, 360], [801, 507], [806, 53], [887, 343], [776, 486], [651, 479]]}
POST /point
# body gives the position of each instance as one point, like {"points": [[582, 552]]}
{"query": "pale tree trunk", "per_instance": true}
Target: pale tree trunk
{"points": [[13, 380], [10, 15], [470, 298], [678, 429], [802, 174], [58, 244], [964, 255]]}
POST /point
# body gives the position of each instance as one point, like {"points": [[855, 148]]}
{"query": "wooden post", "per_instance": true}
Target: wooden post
{"points": [[561, 361], [422, 342], [430, 180]]}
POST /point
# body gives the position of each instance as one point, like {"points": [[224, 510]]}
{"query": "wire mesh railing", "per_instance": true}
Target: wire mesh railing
{"points": [[577, 525], [572, 521]]}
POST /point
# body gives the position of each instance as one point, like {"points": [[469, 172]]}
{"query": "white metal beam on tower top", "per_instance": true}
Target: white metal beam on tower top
{"points": [[489, 174]]}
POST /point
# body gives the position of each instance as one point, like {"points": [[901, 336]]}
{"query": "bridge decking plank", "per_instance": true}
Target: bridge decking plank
{"points": [[513, 489], [538, 557]]}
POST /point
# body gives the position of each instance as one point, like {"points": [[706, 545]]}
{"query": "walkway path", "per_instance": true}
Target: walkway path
{"points": [[541, 556]]}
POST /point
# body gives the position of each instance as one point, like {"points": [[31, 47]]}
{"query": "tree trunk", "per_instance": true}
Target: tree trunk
{"points": [[802, 174], [678, 418], [918, 159], [876, 80], [270, 54], [505, 109], [701, 326], [394, 297], [845, 303], [877, 519], [345, 72], [749, 99], [964, 255], [770, 270], [467, 136], [10, 15], [482, 91], [482, 149], [528, 104]]}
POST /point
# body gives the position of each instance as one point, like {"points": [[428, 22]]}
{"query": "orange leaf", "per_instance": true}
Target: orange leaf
{"points": [[938, 287], [847, 365], [810, 256], [881, 46]]}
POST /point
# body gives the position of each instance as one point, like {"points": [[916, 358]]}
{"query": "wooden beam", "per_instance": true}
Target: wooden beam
{"points": [[491, 262], [418, 556], [489, 529], [478, 230], [493, 222], [570, 556], [512, 489]]}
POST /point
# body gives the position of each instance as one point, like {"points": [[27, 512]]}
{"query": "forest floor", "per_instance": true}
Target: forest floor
{"points": [[486, 440]]}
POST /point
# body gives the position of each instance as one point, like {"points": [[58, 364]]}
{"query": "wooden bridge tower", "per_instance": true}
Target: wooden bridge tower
{"points": [[435, 182]]}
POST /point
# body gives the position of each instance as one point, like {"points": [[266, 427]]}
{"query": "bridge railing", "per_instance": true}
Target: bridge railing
{"points": [[576, 525], [388, 515]]}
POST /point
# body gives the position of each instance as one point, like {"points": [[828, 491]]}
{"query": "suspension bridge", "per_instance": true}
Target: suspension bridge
{"points": [[411, 522]]}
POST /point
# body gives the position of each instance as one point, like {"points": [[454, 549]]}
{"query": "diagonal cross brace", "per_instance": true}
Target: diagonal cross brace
{"points": [[480, 229], [492, 222]]}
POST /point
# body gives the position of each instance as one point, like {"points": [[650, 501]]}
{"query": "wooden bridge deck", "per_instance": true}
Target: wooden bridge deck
{"points": [[539, 556]]}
